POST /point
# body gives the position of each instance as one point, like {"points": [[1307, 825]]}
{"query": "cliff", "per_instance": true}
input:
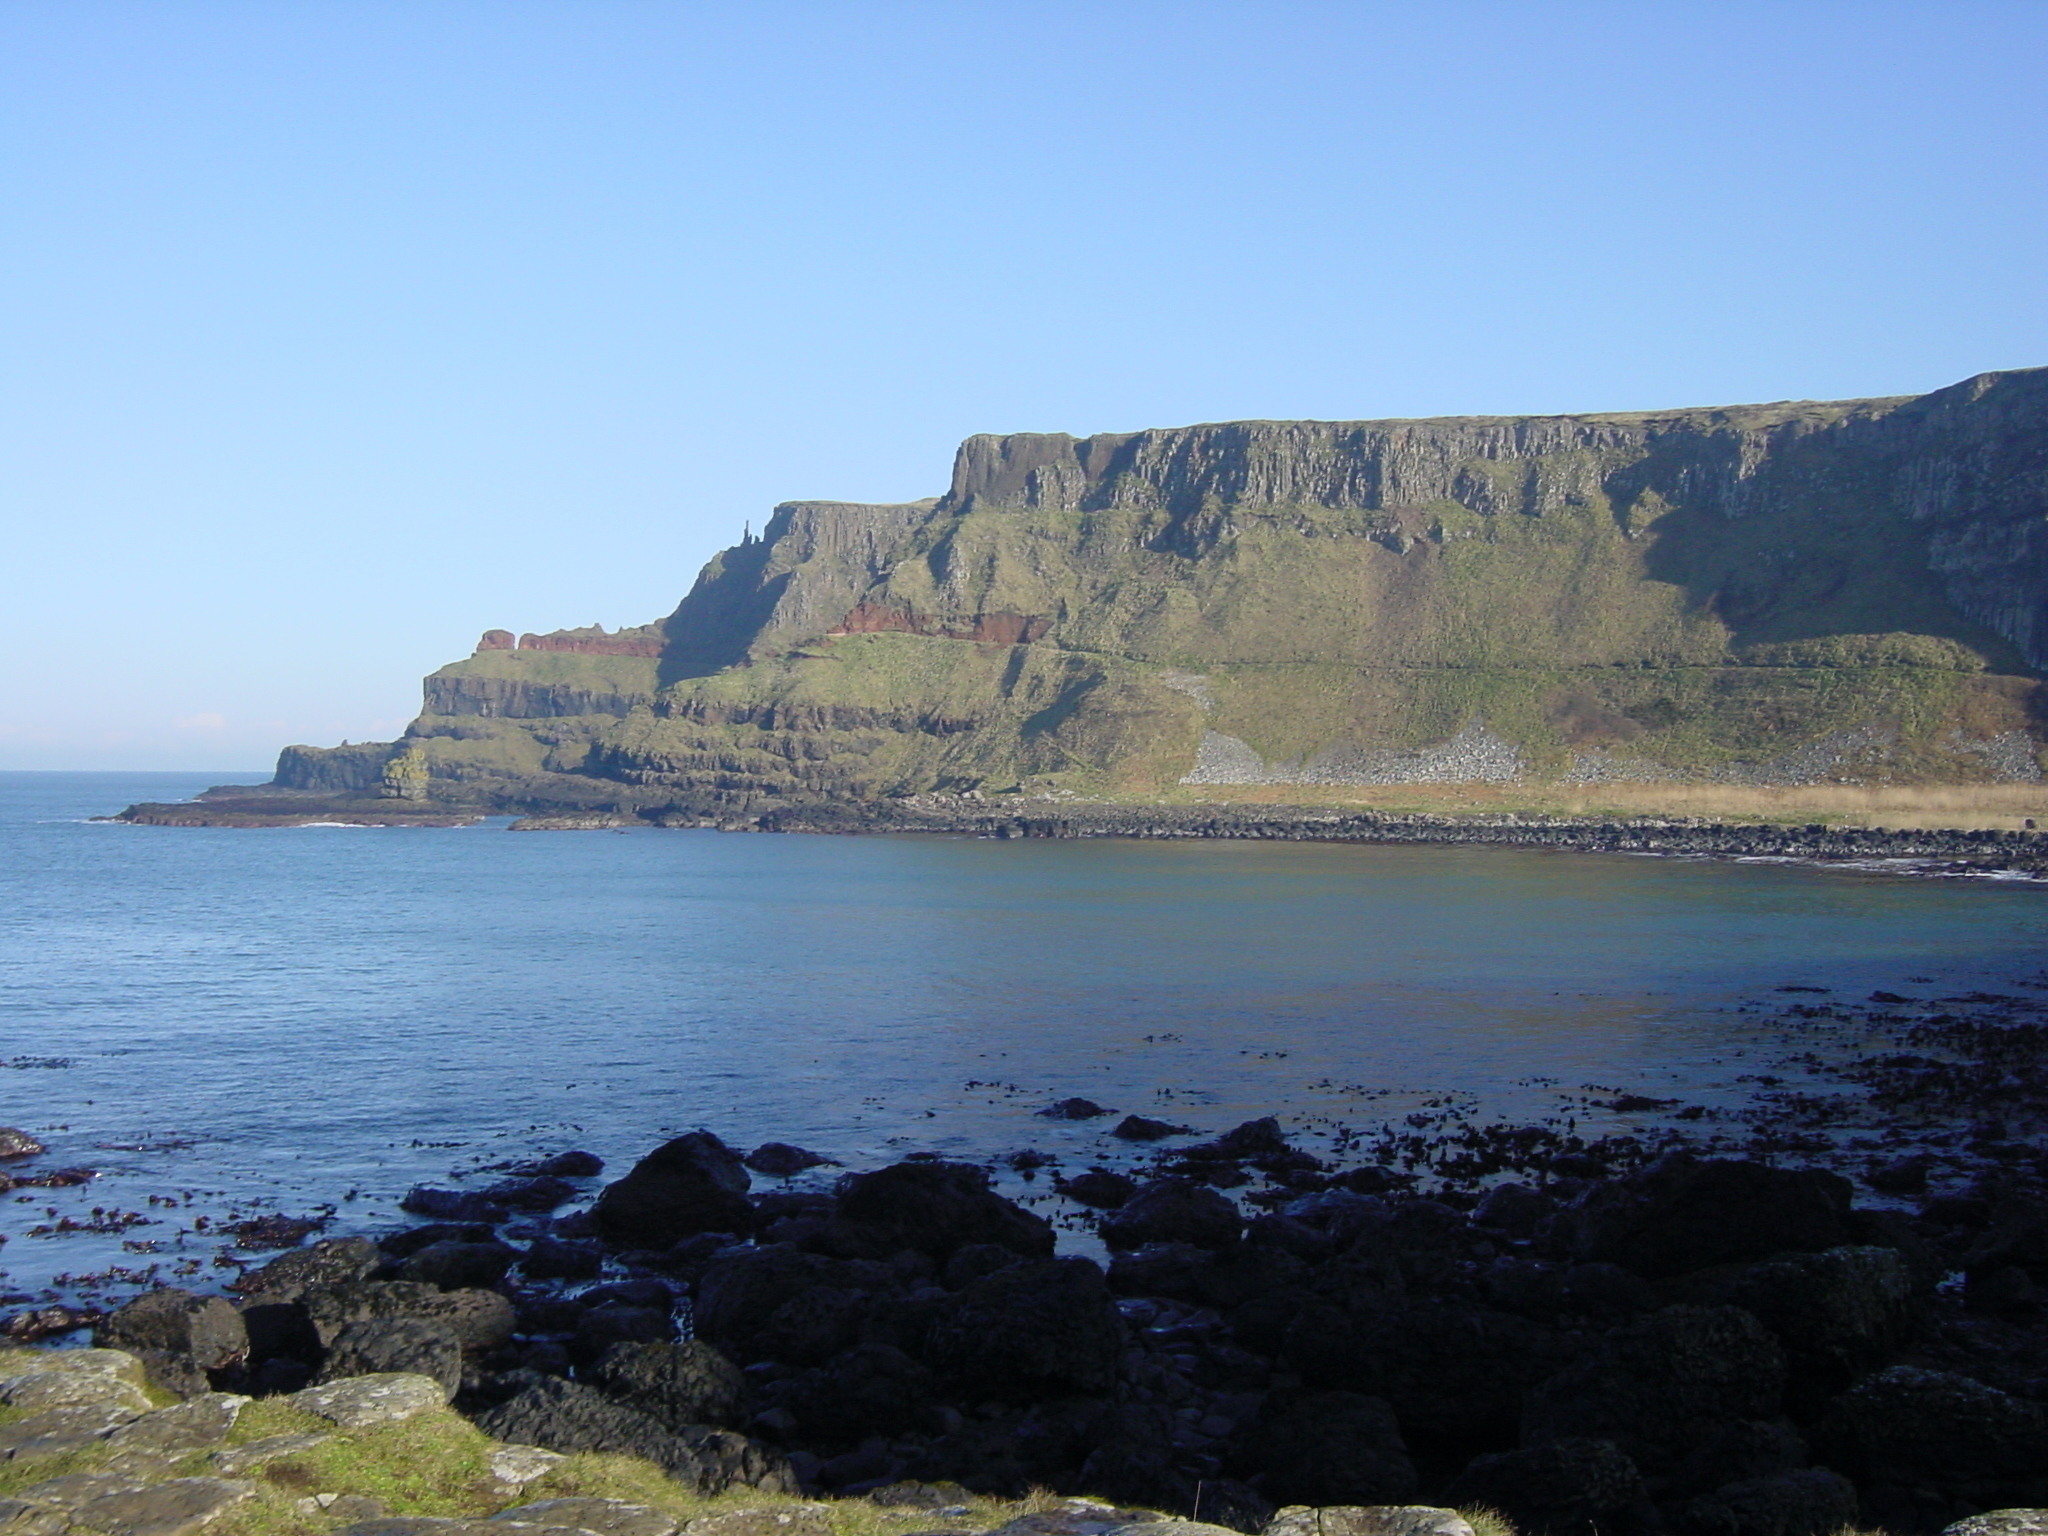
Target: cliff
{"points": [[1774, 594]]}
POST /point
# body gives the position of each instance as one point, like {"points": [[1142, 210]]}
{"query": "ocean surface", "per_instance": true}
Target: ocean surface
{"points": [[228, 1023]]}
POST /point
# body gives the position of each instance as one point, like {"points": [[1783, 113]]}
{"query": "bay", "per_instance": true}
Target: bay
{"points": [[238, 1021]]}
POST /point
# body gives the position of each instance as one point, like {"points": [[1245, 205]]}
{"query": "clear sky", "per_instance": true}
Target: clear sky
{"points": [[335, 333]]}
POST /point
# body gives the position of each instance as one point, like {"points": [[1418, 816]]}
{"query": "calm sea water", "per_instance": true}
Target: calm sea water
{"points": [[266, 1020]]}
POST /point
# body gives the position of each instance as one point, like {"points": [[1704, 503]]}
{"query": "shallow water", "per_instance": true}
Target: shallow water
{"points": [[293, 1017]]}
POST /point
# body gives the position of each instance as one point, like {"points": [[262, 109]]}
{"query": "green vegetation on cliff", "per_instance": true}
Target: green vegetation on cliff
{"points": [[1785, 594]]}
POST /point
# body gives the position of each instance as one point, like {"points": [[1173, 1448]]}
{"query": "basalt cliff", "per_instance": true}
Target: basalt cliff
{"points": [[1776, 594]]}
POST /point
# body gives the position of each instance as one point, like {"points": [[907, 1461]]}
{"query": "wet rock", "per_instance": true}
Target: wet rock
{"points": [[694, 1183], [931, 1208], [1038, 1329], [1813, 1502], [779, 1303], [1604, 1293], [362, 1401], [1074, 1109], [871, 1389], [1651, 1385], [1328, 1448], [674, 1384], [1139, 1128], [176, 1508], [1685, 1215], [778, 1159], [1255, 1138], [969, 1264], [179, 1337], [1562, 1488], [452, 1205], [1734, 1451], [1836, 1314], [333, 1261], [562, 1165], [459, 1266], [602, 1328], [1511, 1208], [403, 1245], [1368, 1520], [532, 1193], [14, 1143], [479, 1319], [384, 1345], [1917, 1427], [1901, 1175], [1098, 1187], [1174, 1211], [605, 1517], [552, 1259]]}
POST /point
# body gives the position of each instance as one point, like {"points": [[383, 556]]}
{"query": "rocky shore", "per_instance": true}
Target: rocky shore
{"points": [[2017, 854]]}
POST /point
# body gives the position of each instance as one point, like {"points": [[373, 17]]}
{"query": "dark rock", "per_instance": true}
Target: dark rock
{"points": [[459, 1266], [1035, 1330], [15, 1143], [781, 1160], [1734, 1451], [1604, 1292], [563, 1165], [1836, 1314], [451, 1205], [632, 1293], [1332, 1448], [403, 1245], [1174, 1211], [602, 1328], [1900, 1176], [1138, 1128], [872, 1389], [969, 1264], [1098, 1187], [381, 1344], [1685, 1215], [480, 1319], [180, 1337], [1651, 1385], [565, 1416], [1916, 1427], [1511, 1208], [692, 1184], [330, 1262], [779, 1303], [1813, 1502], [551, 1259], [2019, 1238], [674, 1384], [1255, 1138], [1074, 1109], [540, 1192], [931, 1208], [1562, 1488]]}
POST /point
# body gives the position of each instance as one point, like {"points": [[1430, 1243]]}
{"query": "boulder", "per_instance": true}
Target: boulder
{"points": [[176, 1508], [1511, 1208], [2002, 1522], [359, 1402], [1174, 1211], [931, 1208], [1139, 1128], [1074, 1109], [14, 1143], [533, 1193], [550, 1258], [1685, 1214], [452, 1205], [382, 1345], [1651, 1386], [179, 1337], [563, 1165], [1328, 1448], [1561, 1488], [1040, 1329], [1836, 1314], [1098, 1187], [1813, 1502], [871, 1389], [603, 1327], [754, 1301], [459, 1266], [403, 1245], [694, 1183], [1930, 1428], [780, 1160], [567, 1416], [674, 1384], [1368, 1520], [198, 1424]]}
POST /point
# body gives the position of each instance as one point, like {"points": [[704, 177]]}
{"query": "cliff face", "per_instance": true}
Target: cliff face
{"points": [[1760, 594]]}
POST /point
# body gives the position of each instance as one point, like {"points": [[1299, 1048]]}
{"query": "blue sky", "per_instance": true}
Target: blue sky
{"points": [[337, 333]]}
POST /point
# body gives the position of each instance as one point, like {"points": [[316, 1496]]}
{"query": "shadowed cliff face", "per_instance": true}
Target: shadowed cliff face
{"points": [[1781, 593]]}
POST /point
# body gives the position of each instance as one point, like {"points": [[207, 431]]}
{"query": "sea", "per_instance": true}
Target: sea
{"points": [[222, 1025]]}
